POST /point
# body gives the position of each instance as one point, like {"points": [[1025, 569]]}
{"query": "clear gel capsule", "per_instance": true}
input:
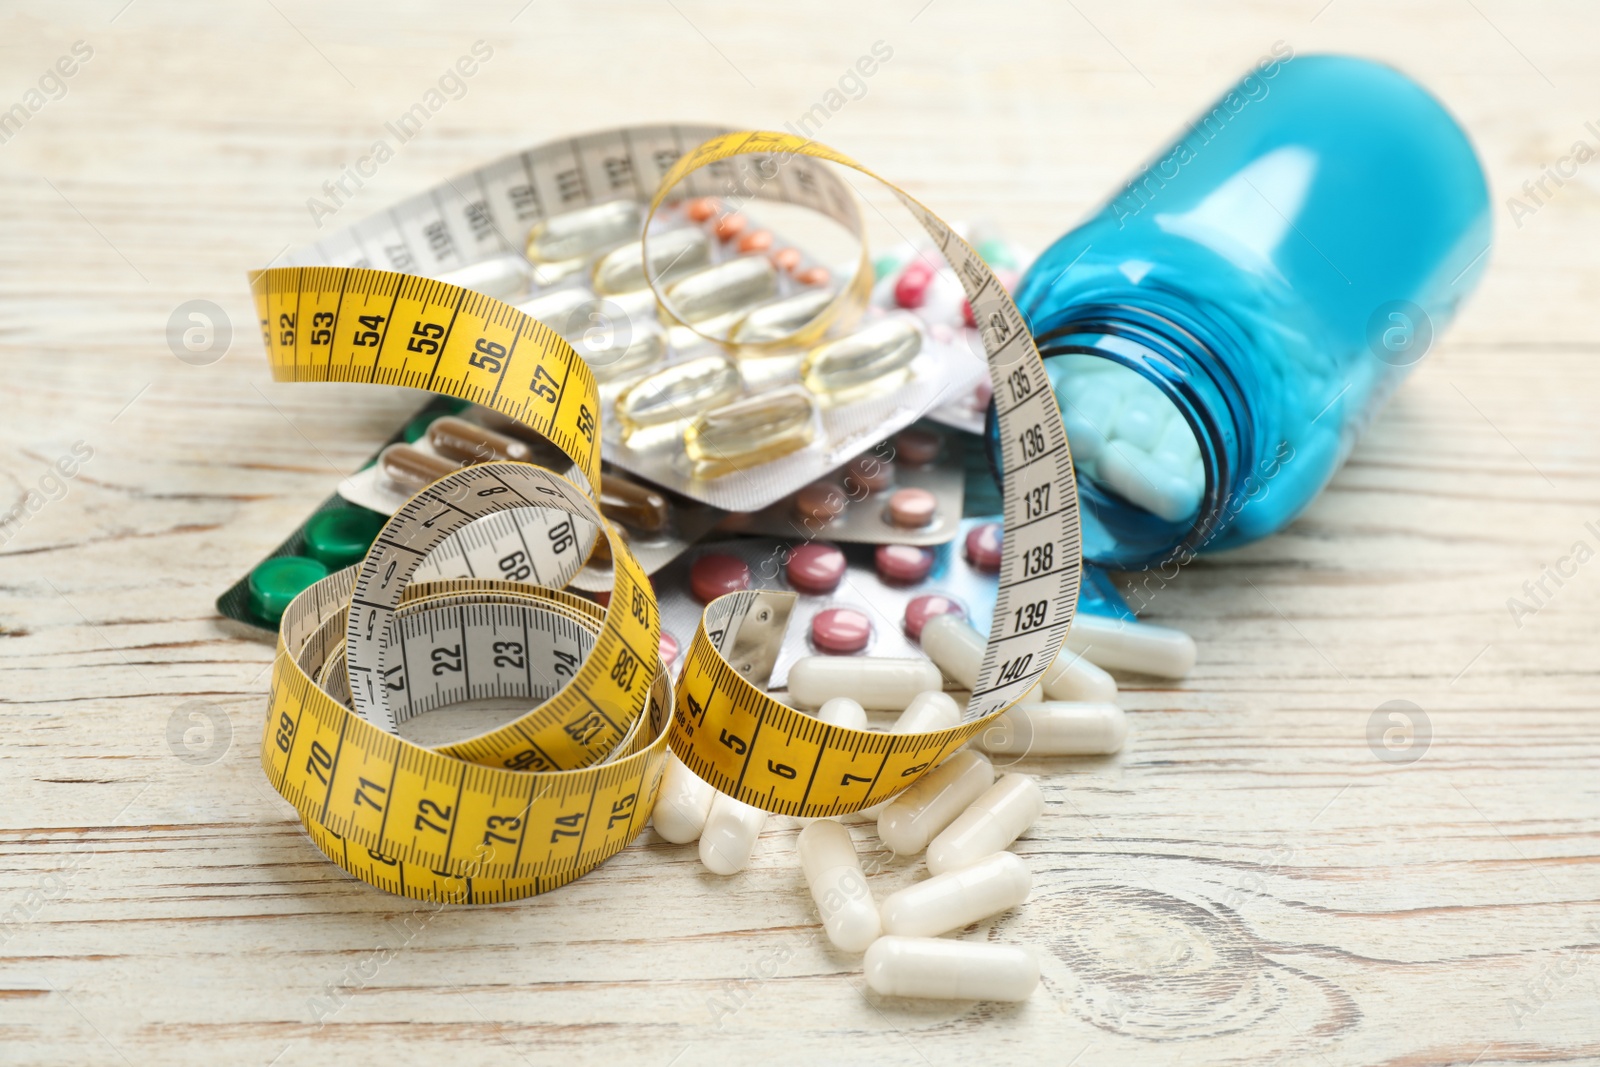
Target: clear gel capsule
{"points": [[1056, 729], [729, 835], [879, 683], [780, 318], [927, 712], [843, 712], [544, 275], [989, 824], [685, 801], [863, 359], [498, 276], [585, 231], [687, 339], [718, 290], [838, 886], [678, 393], [916, 816], [1132, 646], [566, 311], [467, 442], [408, 471], [1073, 678], [613, 354], [628, 502], [752, 430], [942, 968], [951, 900], [673, 255]]}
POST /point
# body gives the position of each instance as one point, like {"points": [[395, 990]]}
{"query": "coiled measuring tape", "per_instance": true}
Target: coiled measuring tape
{"points": [[542, 800]]}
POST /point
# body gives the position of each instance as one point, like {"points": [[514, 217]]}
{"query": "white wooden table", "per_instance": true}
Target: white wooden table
{"points": [[1247, 883]]}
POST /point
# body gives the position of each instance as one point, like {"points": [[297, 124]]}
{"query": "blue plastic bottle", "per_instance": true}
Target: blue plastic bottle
{"points": [[1263, 284]]}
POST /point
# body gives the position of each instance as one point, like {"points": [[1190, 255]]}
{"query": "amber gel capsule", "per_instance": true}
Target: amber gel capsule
{"points": [[585, 231], [862, 359], [678, 393], [989, 824], [838, 886], [916, 816], [951, 900], [752, 430], [941, 968]]}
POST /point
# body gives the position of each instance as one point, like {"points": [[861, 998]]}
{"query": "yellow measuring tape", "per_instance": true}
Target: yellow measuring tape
{"points": [[542, 800]]}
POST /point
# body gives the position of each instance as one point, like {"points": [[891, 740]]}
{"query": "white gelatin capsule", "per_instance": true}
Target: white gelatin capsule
{"points": [[1140, 478], [1073, 678], [951, 900], [726, 287], [957, 649], [843, 712], [684, 803], [862, 359], [1177, 447], [1084, 435], [678, 393], [942, 968], [880, 683], [585, 231], [916, 816], [780, 318], [927, 712], [1131, 646], [752, 430], [989, 824], [729, 836], [498, 276], [1056, 729], [838, 886], [673, 255], [1142, 421]]}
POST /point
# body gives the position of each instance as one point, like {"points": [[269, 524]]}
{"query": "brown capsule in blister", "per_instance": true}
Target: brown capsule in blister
{"points": [[633, 504], [461, 440], [409, 470], [543, 452]]}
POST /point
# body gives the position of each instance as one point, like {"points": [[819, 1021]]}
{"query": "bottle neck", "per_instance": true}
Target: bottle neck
{"points": [[1195, 365]]}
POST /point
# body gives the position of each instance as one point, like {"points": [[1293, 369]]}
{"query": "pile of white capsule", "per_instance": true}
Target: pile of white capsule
{"points": [[958, 813]]}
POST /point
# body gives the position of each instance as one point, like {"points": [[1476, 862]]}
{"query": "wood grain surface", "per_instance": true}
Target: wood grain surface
{"points": [[1247, 883]]}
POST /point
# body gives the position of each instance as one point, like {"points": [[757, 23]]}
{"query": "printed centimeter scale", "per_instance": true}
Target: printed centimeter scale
{"points": [[332, 763]]}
